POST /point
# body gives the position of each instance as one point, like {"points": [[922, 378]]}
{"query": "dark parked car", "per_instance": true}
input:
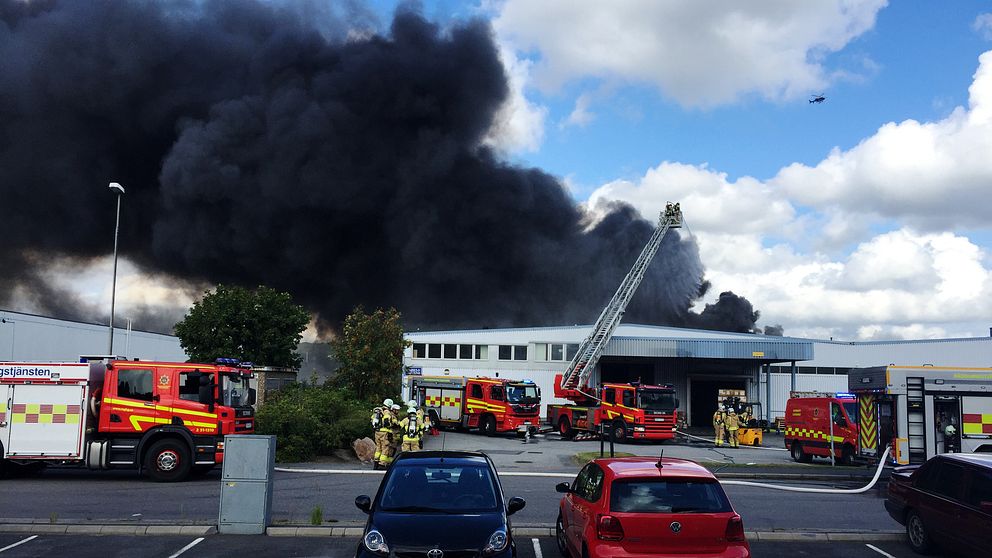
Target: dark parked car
{"points": [[434, 504], [947, 502]]}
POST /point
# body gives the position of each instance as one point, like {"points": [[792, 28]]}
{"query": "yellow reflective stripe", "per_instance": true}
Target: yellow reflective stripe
{"points": [[136, 421], [162, 408]]}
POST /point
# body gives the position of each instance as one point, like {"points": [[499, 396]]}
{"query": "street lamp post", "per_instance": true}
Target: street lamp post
{"points": [[119, 190]]}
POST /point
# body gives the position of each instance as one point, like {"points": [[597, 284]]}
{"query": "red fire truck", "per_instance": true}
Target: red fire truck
{"points": [[821, 424], [490, 404], [642, 412], [164, 418]]}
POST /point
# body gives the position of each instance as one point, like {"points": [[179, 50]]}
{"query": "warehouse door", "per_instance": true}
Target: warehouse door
{"points": [[703, 394]]}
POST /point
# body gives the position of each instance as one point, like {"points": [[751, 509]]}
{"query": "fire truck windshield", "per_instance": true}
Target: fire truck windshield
{"points": [[234, 390], [655, 400], [526, 393]]}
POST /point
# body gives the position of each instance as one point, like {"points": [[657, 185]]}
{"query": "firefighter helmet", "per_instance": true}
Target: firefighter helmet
{"points": [[388, 403]]}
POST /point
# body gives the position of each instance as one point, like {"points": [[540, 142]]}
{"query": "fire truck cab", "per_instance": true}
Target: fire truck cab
{"points": [[639, 411], [490, 404], [818, 422], [163, 418]]}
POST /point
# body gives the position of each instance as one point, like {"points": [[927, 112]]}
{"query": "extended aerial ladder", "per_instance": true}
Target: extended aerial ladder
{"points": [[575, 381]]}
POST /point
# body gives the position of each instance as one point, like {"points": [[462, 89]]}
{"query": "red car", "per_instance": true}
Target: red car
{"points": [[640, 506], [947, 501]]}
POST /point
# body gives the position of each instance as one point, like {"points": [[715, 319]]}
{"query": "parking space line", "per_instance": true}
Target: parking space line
{"points": [[880, 551], [18, 543], [537, 548], [187, 547]]}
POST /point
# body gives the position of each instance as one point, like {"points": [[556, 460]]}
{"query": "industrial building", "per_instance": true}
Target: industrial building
{"points": [[696, 362], [27, 337]]}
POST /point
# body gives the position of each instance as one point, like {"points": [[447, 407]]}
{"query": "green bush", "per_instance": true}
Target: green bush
{"points": [[312, 420]]}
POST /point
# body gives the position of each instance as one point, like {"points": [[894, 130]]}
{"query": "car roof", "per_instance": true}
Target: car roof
{"points": [[647, 467], [435, 457], [980, 459]]}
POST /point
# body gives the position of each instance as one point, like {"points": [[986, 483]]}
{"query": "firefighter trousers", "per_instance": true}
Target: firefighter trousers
{"points": [[410, 444], [732, 437], [718, 434], [383, 447]]}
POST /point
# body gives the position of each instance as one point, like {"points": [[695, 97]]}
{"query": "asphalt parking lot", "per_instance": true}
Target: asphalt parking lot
{"points": [[102, 546]]}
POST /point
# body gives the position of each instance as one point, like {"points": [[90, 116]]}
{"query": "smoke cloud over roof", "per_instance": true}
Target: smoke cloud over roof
{"points": [[273, 144]]}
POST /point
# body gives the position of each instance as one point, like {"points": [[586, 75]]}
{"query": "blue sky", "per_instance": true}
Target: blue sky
{"points": [[861, 217]]}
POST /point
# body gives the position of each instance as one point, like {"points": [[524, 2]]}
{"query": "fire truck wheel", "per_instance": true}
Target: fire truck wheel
{"points": [[487, 425], [565, 428], [618, 431], [168, 461], [919, 540], [798, 455]]}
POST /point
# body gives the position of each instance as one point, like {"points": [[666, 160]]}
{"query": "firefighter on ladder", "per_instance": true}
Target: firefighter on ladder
{"points": [[718, 426], [382, 418]]}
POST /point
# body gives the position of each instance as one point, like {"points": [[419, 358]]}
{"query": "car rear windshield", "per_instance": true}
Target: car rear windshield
{"points": [[439, 489], [668, 496]]}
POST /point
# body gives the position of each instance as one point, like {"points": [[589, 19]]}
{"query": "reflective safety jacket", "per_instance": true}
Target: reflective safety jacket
{"points": [[732, 423]]}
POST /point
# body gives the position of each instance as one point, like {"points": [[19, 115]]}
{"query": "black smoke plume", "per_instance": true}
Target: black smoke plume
{"points": [[286, 145]]}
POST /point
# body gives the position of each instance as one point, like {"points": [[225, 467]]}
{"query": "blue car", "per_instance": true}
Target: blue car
{"points": [[439, 504]]}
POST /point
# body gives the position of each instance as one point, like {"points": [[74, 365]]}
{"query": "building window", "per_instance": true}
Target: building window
{"points": [[450, 351], [420, 350], [482, 352], [556, 352], [465, 352], [513, 352], [434, 350]]}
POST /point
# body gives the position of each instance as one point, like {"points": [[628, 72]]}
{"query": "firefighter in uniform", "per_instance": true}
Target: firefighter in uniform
{"points": [[732, 425], [423, 422], [950, 438], [718, 427], [411, 431], [397, 431], [382, 419]]}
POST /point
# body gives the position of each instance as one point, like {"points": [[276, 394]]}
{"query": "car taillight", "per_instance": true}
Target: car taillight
{"points": [[608, 528], [735, 530]]}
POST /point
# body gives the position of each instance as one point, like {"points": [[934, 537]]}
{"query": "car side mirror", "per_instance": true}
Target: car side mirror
{"points": [[563, 487], [676, 402], [363, 503], [514, 505], [252, 394]]}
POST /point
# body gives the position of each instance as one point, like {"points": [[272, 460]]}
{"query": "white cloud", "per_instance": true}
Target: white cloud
{"points": [[580, 115], [699, 53], [983, 26], [932, 175], [519, 124], [895, 197]]}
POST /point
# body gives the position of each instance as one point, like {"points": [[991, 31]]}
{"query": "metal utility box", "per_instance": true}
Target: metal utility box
{"points": [[246, 484]]}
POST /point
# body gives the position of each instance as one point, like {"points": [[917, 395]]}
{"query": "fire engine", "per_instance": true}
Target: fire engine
{"points": [[163, 418], [821, 424], [490, 404], [640, 411], [910, 408]]}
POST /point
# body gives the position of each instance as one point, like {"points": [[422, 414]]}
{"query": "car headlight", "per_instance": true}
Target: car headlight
{"points": [[497, 542], [375, 542]]}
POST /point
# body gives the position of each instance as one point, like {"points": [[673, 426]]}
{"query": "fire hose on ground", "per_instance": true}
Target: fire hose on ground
{"points": [[878, 473]]}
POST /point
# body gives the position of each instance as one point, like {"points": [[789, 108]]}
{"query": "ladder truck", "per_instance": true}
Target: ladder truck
{"points": [[632, 410]]}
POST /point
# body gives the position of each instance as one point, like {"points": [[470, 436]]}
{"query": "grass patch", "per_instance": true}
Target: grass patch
{"points": [[584, 457]]}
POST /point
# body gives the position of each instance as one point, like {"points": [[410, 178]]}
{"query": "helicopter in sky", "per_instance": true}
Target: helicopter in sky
{"points": [[818, 98]]}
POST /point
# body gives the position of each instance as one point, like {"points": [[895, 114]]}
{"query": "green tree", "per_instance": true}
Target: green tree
{"points": [[258, 325], [370, 349]]}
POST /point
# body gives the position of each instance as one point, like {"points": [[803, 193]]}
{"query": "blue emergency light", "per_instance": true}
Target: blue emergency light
{"points": [[840, 395]]}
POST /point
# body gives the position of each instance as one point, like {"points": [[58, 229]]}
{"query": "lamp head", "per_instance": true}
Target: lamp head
{"points": [[117, 188]]}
